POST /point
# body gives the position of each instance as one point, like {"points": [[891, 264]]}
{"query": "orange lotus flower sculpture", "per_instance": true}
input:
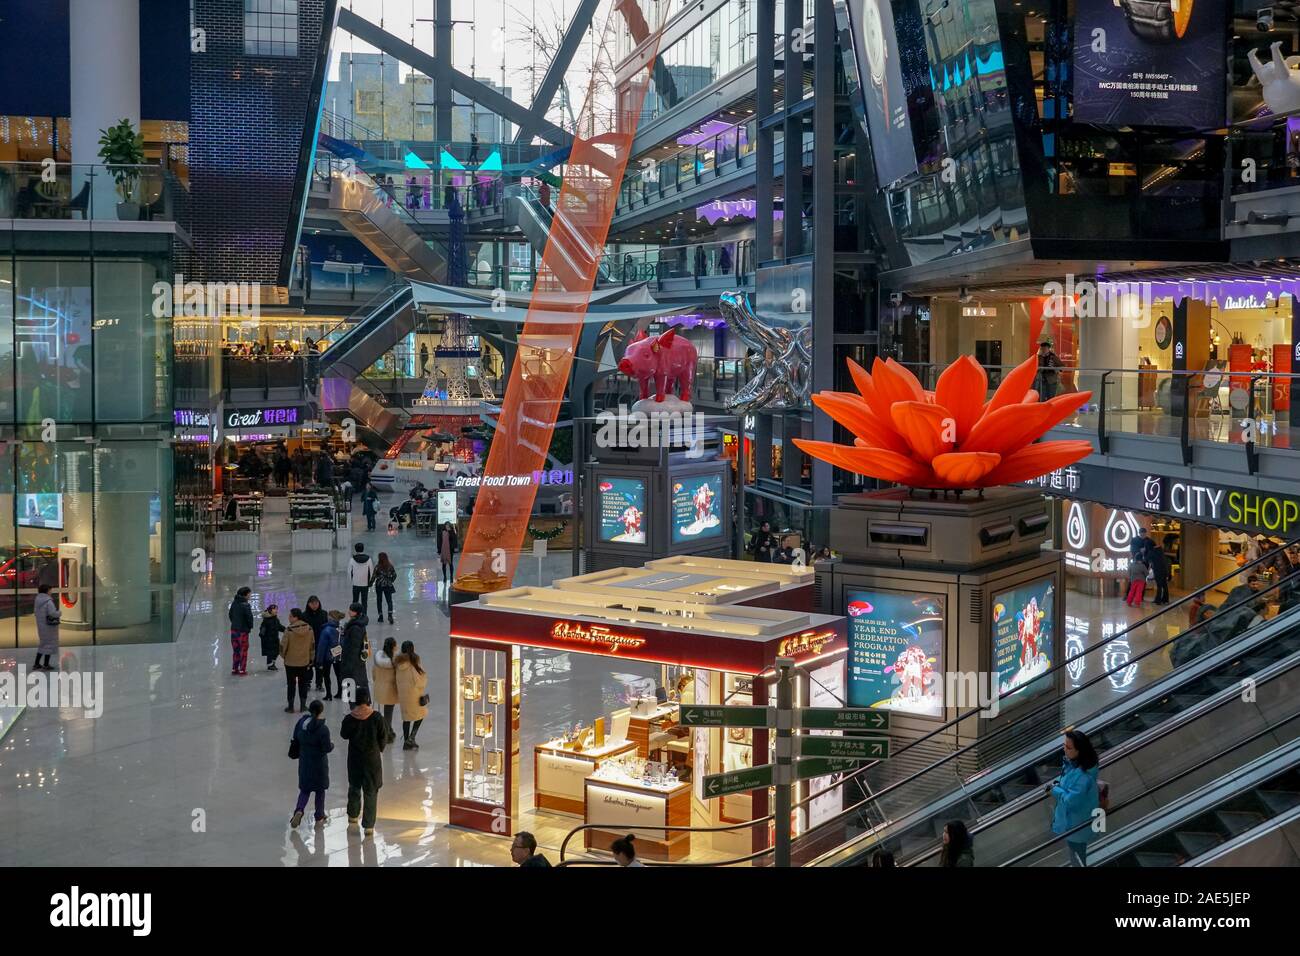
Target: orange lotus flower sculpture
{"points": [[950, 438]]}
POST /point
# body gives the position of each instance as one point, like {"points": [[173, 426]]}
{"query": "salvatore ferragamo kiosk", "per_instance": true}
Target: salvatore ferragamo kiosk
{"points": [[565, 704]]}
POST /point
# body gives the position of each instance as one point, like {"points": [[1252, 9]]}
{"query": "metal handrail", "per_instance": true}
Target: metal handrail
{"points": [[853, 811], [1201, 765]]}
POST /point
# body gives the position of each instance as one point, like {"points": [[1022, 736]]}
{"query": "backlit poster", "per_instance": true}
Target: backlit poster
{"points": [[896, 651], [697, 508], [621, 504], [1023, 632], [1150, 63], [884, 97]]}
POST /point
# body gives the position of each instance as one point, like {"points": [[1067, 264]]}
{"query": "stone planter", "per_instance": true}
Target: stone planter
{"points": [[235, 542], [313, 539]]}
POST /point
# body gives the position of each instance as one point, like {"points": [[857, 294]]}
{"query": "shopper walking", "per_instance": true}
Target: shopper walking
{"points": [[1137, 582], [384, 683], [270, 634], [411, 684], [316, 616], [385, 585], [356, 650], [370, 506], [448, 545], [241, 625], [361, 572], [46, 612], [314, 745], [298, 647], [1077, 795], [1161, 569], [329, 653], [363, 729], [958, 847]]}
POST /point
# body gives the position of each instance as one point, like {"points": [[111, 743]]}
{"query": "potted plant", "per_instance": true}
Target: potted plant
{"points": [[121, 149]]}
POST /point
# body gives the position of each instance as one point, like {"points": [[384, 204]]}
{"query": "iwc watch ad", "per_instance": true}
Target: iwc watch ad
{"points": [[884, 97], [1151, 62]]}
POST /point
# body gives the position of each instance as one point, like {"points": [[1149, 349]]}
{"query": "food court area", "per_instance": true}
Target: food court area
{"points": [[677, 632]]}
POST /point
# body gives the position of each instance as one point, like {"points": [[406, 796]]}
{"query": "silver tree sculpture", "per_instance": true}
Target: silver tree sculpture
{"points": [[784, 356]]}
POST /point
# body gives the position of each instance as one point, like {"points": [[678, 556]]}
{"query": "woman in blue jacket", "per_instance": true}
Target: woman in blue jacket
{"points": [[326, 660], [1076, 795]]}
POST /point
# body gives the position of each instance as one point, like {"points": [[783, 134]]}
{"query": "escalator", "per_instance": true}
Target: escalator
{"points": [[1248, 817], [385, 228], [902, 805], [378, 326], [573, 251]]}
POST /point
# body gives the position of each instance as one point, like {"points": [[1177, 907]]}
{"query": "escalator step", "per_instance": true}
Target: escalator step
{"points": [[1196, 843], [1279, 801], [1187, 701], [1157, 859], [1239, 821]]}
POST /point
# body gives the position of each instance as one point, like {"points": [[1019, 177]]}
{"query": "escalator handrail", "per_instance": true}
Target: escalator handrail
{"points": [[975, 712], [1200, 765], [365, 311]]}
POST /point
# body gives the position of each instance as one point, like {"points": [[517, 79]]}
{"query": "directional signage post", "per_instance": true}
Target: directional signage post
{"points": [[705, 716], [811, 767], [843, 718], [847, 748], [736, 781]]}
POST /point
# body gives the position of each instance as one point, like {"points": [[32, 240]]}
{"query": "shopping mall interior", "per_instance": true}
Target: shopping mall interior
{"points": [[812, 434]]}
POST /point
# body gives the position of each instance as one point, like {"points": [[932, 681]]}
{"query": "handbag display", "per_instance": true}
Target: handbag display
{"points": [[482, 725], [472, 686]]}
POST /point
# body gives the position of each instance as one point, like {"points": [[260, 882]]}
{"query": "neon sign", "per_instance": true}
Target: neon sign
{"points": [[597, 635], [805, 644]]}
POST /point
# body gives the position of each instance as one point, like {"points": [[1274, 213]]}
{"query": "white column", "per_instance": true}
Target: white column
{"points": [[104, 43]]}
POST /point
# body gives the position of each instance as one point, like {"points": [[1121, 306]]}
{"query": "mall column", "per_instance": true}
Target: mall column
{"points": [[104, 75]]}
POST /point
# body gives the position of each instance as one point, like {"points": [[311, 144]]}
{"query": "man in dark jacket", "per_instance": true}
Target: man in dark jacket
{"points": [[1161, 568], [366, 733], [325, 470], [241, 623], [1240, 607], [353, 662], [523, 851]]}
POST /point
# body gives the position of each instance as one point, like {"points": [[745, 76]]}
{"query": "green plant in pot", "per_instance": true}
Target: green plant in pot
{"points": [[121, 149]]}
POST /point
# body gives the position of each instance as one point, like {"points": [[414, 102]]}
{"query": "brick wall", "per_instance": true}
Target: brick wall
{"points": [[246, 125]]}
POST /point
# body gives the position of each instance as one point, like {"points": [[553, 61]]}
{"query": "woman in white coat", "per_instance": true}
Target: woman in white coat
{"points": [[411, 696], [46, 612]]}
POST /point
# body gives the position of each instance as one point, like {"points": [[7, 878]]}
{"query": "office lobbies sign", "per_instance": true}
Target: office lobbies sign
{"points": [[1242, 509]]}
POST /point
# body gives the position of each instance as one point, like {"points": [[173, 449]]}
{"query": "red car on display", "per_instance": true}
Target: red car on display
{"points": [[26, 570]]}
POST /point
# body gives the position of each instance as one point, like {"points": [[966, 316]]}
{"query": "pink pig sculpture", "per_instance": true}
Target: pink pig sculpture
{"points": [[666, 360]]}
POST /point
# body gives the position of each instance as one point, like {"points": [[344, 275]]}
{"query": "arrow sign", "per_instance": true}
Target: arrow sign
{"points": [[848, 748], [703, 716], [751, 778], [843, 718], [821, 766]]}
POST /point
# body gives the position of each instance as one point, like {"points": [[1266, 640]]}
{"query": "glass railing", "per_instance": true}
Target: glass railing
{"points": [[1248, 408], [145, 193], [733, 259], [345, 281], [687, 166], [265, 374]]}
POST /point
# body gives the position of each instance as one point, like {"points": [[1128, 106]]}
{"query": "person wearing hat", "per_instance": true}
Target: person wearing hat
{"points": [[1049, 378]]}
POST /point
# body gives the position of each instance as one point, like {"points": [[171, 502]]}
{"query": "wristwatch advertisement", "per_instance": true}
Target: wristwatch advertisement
{"points": [[1151, 63], [883, 96]]}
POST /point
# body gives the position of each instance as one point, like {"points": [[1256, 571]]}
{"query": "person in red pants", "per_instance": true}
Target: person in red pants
{"points": [[241, 623], [1137, 582]]}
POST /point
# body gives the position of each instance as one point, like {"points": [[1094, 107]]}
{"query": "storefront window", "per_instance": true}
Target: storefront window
{"points": [[52, 339]]}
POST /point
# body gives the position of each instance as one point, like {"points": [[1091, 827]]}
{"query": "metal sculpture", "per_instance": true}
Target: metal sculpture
{"points": [[784, 375]]}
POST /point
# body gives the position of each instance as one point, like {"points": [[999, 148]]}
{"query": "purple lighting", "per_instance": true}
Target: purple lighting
{"points": [[726, 209], [707, 130]]}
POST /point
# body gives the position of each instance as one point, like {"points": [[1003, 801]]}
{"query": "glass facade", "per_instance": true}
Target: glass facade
{"points": [[86, 483]]}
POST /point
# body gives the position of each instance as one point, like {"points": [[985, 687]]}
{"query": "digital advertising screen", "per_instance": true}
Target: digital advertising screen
{"points": [[876, 55], [896, 651], [621, 505], [1144, 63], [41, 510], [1023, 623], [697, 507]]}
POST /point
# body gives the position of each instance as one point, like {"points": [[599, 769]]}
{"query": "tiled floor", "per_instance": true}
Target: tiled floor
{"points": [[187, 765]]}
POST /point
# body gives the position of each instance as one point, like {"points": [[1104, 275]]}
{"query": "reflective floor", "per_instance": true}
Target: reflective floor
{"points": [[188, 765]]}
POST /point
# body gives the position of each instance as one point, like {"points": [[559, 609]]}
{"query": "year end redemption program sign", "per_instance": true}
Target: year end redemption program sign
{"points": [[1151, 62]]}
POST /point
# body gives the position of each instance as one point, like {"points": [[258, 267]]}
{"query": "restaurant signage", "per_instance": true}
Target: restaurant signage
{"points": [[264, 415]]}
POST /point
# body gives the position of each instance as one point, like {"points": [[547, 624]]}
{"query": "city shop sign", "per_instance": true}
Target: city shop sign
{"points": [[255, 417]]}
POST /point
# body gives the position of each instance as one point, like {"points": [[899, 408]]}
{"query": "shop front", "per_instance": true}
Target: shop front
{"points": [[1206, 530], [533, 752]]}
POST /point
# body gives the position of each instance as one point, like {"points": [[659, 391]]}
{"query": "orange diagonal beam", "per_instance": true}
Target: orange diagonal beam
{"points": [[549, 338]]}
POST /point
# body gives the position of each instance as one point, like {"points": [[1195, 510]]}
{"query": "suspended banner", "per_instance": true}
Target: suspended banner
{"points": [[880, 79], [1151, 63]]}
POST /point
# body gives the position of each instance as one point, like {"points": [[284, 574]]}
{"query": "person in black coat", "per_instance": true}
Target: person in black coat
{"points": [[314, 745], [325, 470], [316, 615], [353, 662], [364, 730], [270, 633], [1161, 569], [241, 625]]}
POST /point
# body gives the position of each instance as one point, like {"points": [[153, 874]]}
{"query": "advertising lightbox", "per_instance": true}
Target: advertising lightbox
{"points": [[896, 651], [1023, 625], [880, 76], [621, 505], [697, 502]]}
